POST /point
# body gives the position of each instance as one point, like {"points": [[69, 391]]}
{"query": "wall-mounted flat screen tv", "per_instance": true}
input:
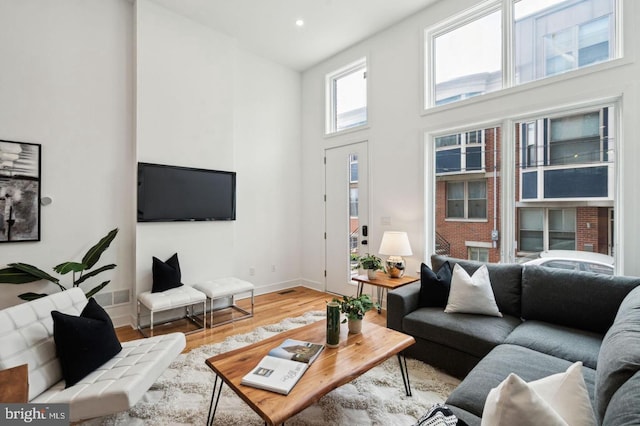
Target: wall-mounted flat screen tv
{"points": [[174, 193]]}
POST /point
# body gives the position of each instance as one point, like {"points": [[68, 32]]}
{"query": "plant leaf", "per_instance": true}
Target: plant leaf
{"points": [[67, 267], [31, 296], [16, 276], [93, 274], [97, 289], [94, 253], [30, 269]]}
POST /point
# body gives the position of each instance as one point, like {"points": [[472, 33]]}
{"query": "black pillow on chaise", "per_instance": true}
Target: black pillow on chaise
{"points": [[434, 286], [166, 275], [85, 342]]}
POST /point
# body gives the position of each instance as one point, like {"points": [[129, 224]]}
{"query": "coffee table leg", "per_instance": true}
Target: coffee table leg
{"points": [[212, 413], [405, 373]]}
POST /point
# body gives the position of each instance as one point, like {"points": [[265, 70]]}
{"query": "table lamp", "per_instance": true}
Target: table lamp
{"points": [[395, 245]]}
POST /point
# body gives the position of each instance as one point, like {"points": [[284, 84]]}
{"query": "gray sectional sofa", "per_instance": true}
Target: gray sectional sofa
{"points": [[551, 319]]}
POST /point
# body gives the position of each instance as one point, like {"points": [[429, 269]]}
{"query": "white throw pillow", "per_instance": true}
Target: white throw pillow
{"points": [[559, 399], [471, 294]]}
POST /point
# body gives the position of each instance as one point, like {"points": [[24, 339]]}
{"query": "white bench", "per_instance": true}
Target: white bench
{"points": [[26, 333], [179, 297], [224, 288]]}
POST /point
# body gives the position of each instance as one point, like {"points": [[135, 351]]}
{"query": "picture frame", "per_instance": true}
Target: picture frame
{"points": [[20, 167]]}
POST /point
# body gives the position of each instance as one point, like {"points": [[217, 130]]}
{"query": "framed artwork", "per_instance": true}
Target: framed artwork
{"points": [[19, 191]]}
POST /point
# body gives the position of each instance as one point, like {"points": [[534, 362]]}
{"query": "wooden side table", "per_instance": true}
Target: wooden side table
{"points": [[14, 385], [383, 283]]}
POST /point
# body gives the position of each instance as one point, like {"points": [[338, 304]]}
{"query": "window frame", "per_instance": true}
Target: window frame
{"points": [[331, 96]]}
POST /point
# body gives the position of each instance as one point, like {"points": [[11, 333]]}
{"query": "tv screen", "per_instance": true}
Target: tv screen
{"points": [[173, 193]]}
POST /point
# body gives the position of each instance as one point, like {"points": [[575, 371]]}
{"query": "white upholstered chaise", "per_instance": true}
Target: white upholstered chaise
{"points": [[26, 336]]}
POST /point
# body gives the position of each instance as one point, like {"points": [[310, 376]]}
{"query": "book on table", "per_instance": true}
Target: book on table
{"points": [[283, 366]]}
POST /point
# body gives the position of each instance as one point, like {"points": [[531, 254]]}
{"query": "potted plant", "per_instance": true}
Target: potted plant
{"points": [[371, 263], [21, 273], [354, 309]]}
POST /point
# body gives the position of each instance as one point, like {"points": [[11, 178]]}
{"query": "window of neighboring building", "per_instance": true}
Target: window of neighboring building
{"points": [[467, 199], [547, 229], [479, 254], [465, 53], [461, 152], [575, 139], [347, 97]]}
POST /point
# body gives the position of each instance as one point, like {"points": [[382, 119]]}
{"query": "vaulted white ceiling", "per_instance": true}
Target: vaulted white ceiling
{"points": [[268, 27]]}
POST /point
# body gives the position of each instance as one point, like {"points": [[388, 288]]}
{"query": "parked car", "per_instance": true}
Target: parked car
{"points": [[575, 260]]}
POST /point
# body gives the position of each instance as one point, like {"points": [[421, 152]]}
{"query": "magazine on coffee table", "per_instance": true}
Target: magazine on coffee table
{"points": [[281, 369]]}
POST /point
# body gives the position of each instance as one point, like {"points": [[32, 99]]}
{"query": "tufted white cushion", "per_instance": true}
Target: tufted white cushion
{"points": [[120, 383], [222, 287], [172, 298], [26, 333]]}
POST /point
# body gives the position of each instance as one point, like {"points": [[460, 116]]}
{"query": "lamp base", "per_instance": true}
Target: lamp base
{"points": [[395, 266]]}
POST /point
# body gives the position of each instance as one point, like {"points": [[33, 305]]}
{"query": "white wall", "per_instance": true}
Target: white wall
{"points": [[397, 128], [204, 102], [105, 84], [66, 82]]}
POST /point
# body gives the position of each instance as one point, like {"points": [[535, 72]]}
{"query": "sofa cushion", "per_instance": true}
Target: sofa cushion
{"points": [[471, 294], [434, 286], [564, 342], [85, 342], [624, 407], [559, 399], [470, 333], [503, 360], [572, 298], [619, 357], [505, 281]]}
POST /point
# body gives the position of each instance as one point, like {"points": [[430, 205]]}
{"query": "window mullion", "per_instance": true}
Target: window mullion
{"points": [[508, 54]]}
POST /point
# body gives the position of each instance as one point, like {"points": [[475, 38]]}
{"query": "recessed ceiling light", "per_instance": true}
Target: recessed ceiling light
{"points": [[300, 23]]}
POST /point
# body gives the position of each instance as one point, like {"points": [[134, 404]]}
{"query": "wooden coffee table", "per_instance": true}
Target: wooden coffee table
{"points": [[355, 355]]}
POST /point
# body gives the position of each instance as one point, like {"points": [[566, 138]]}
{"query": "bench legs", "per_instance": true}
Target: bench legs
{"points": [[247, 314], [188, 315]]}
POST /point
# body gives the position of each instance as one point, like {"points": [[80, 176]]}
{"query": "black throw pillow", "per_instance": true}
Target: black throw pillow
{"points": [[434, 286], [166, 275], [84, 343]]}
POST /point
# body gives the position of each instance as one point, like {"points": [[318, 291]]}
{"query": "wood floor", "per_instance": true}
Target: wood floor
{"points": [[269, 309]]}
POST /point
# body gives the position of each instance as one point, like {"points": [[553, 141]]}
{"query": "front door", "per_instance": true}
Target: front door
{"points": [[346, 213]]}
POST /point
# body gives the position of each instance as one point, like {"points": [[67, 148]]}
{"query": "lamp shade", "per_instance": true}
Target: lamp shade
{"points": [[395, 244]]}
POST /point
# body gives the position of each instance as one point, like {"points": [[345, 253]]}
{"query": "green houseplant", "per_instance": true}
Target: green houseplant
{"points": [[371, 263], [21, 273], [354, 309]]}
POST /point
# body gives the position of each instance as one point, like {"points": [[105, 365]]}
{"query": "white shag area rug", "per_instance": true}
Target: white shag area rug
{"points": [[182, 394]]}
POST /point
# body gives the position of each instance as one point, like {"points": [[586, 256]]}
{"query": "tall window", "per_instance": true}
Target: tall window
{"points": [[467, 199], [566, 176], [465, 53], [347, 97]]}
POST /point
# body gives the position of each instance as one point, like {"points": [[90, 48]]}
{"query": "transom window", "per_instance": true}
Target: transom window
{"points": [[465, 54], [347, 97]]}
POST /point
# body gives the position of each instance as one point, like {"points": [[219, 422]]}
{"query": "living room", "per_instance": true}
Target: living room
{"points": [[103, 85]]}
